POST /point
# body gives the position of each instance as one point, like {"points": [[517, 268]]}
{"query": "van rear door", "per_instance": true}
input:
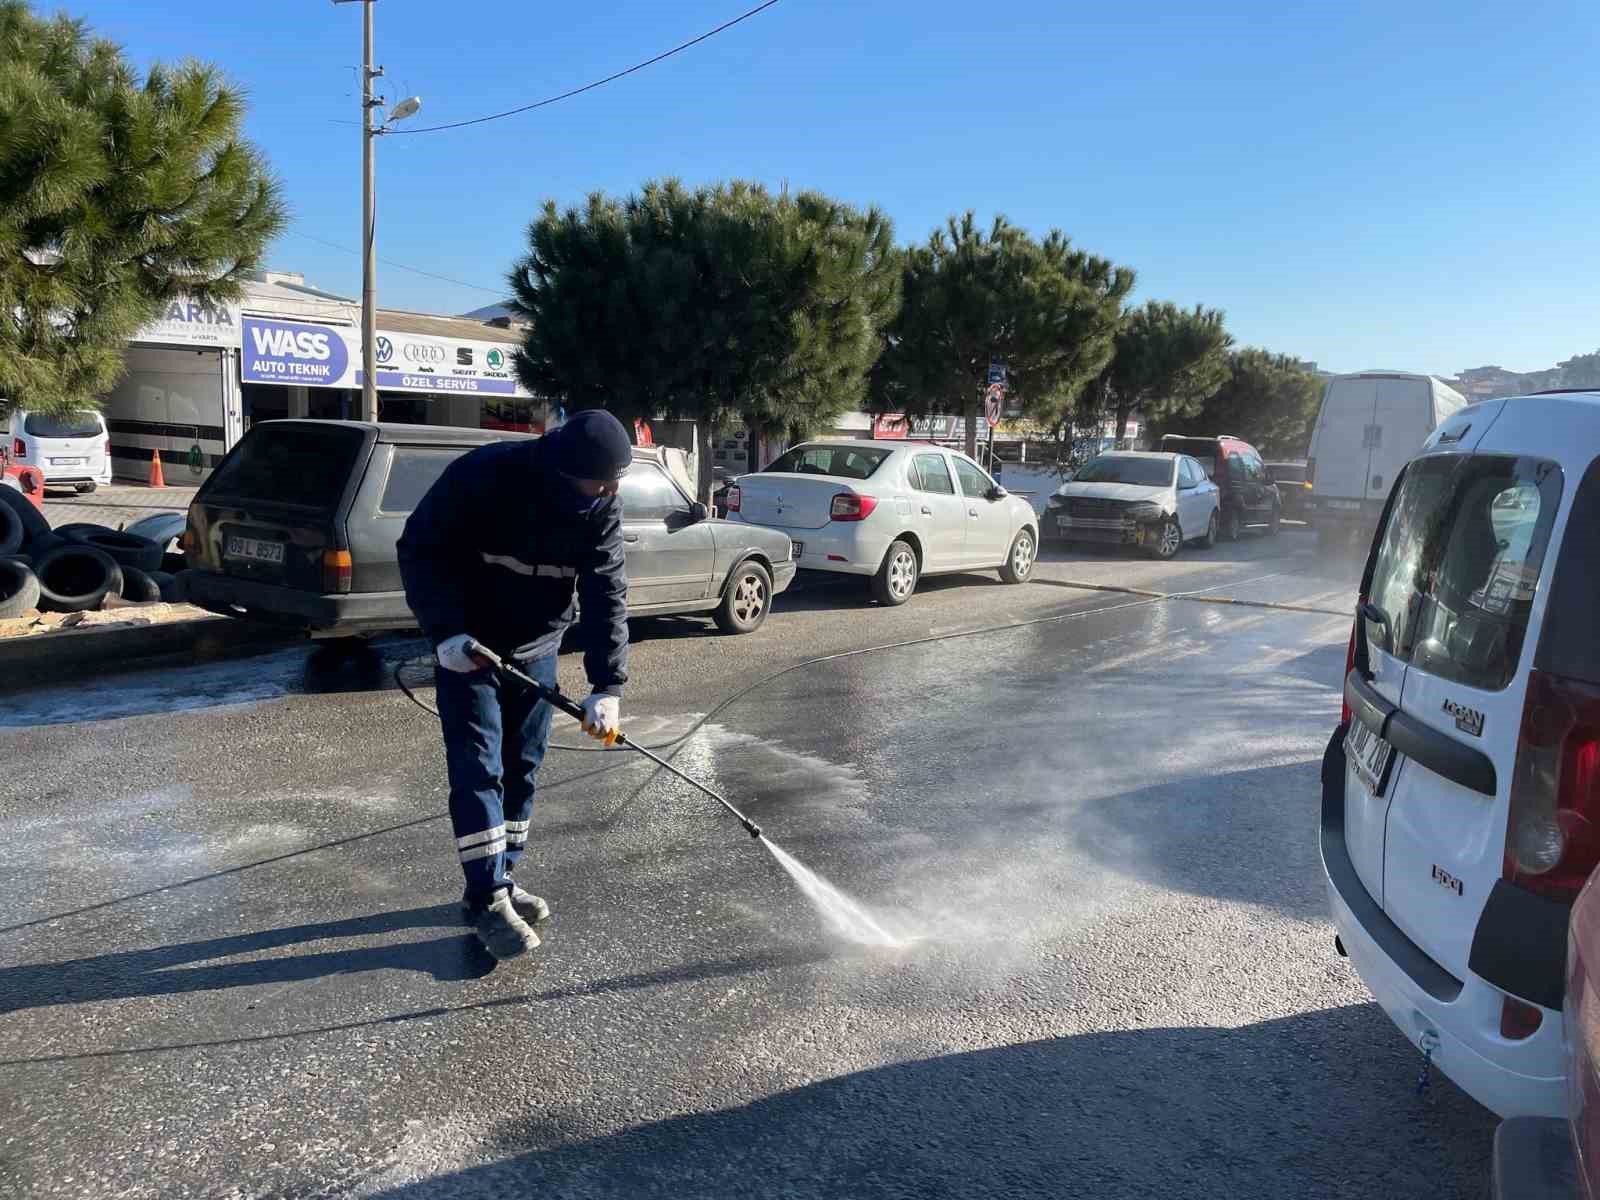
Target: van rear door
{"points": [[1340, 443], [1402, 419], [277, 503]]}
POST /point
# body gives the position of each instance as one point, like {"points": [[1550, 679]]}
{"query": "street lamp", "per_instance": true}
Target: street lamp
{"points": [[369, 258]]}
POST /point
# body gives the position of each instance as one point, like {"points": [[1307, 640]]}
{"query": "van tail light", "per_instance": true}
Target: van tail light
{"points": [[1350, 661], [336, 571], [733, 497], [849, 506], [1519, 1020], [1311, 471], [19, 448], [1553, 830]]}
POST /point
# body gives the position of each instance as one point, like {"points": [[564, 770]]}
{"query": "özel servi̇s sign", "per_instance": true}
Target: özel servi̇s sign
{"points": [[298, 353]]}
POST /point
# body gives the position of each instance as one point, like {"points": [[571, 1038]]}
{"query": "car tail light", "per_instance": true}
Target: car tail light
{"points": [[850, 506], [1553, 830], [19, 448], [732, 498], [189, 542], [336, 571], [1519, 1020], [1350, 662], [1311, 471]]}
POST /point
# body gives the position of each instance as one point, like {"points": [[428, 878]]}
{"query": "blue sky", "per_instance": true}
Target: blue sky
{"points": [[1406, 185]]}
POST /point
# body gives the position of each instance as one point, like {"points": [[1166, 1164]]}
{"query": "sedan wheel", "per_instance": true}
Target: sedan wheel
{"points": [[897, 577], [746, 601], [1171, 539], [1019, 564]]}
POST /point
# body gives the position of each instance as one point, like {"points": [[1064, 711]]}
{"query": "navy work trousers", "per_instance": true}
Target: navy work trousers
{"points": [[496, 732]]}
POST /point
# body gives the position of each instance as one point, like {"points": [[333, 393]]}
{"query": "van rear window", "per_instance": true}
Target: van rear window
{"points": [[302, 465], [1459, 560], [80, 424]]}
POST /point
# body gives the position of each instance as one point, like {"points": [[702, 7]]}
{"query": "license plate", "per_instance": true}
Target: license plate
{"points": [[1344, 505], [254, 549], [799, 549], [1370, 755], [68, 462]]}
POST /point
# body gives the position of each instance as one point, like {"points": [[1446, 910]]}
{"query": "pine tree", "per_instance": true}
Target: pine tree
{"points": [[117, 196]]}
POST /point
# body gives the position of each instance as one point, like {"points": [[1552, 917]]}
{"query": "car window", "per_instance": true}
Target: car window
{"points": [[1236, 473], [79, 424], [648, 495], [306, 466], [929, 474], [1145, 472], [1459, 562], [1254, 470], [1192, 474], [973, 481], [843, 460], [412, 471]]}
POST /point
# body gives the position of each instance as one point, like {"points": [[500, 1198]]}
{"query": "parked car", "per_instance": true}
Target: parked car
{"points": [[1157, 501], [1248, 496], [1369, 426], [1294, 489], [298, 525], [1546, 1158], [891, 511], [70, 451], [1461, 790]]}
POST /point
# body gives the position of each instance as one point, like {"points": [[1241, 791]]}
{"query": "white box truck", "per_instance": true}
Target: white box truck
{"points": [[1369, 426]]}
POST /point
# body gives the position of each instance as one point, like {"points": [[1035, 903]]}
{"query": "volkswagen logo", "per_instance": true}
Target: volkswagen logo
{"points": [[385, 350], [424, 354]]}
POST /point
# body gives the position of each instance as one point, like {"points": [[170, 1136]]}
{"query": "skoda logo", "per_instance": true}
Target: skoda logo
{"points": [[495, 360], [424, 354], [385, 349]]}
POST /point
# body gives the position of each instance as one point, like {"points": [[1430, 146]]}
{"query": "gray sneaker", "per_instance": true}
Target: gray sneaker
{"points": [[503, 933], [529, 907]]}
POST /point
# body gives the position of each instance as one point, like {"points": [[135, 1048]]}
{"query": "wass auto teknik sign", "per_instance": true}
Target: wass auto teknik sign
{"points": [[298, 353]]}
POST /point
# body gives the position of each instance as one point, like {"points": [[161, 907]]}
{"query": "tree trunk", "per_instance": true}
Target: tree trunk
{"points": [[970, 412], [704, 437], [1122, 424]]}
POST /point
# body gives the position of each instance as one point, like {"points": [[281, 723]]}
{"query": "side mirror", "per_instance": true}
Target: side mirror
{"points": [[996, 493], [699, 511]]}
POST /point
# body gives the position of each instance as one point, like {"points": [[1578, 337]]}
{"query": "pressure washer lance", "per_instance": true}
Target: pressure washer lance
{"points": [[554, 696]]}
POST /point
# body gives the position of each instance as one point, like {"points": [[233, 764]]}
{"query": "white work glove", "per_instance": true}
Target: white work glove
{"points": [[452, 655], [602, 717]]}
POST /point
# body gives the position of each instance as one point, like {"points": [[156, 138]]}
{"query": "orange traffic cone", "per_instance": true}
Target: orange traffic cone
{"points": [[156, 481]]}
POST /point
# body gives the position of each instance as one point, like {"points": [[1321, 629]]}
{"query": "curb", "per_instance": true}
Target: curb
{"points": [[47, 658]]}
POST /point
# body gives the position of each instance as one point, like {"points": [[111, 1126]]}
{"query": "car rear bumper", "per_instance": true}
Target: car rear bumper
{"points": [[1513, 1079], [1534, 1160], [850, 547], [272, 604], [60, 476]]}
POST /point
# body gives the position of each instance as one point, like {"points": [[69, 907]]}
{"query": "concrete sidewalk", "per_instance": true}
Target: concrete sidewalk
{"points": [[119, 504]]}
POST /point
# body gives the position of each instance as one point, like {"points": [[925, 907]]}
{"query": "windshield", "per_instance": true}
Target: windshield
{"points": [[79, 424], [844, 460], [1145, 472]]}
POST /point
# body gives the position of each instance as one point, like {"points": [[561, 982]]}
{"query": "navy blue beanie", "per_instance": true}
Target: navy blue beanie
{"points": [[592, 445]]}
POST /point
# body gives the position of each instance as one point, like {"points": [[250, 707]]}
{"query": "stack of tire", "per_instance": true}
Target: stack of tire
{"points": [[73, 568]]}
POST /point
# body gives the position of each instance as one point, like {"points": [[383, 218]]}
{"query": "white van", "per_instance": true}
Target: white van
{"points": [[1461, 791], [70, 451], [1369, 425]]}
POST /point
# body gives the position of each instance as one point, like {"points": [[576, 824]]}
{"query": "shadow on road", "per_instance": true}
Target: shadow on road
{"points": [[1301, 1106]]}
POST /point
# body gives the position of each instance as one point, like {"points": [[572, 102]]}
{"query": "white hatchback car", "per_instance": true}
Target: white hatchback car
{"points": [[895, 511], [1133, 498], [1461, 792]]}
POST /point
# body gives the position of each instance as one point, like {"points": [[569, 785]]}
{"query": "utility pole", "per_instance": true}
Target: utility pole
{"points": [[369, 258]]}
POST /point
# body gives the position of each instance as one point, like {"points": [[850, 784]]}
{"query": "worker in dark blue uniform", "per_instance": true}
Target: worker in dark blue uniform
{"points": [[497, 551]]}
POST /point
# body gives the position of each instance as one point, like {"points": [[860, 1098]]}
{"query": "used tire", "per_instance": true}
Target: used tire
{"points": [[897, 576], [173, 563], [746, 600], [167, 581], [19, 589], [33, 521], [1210, 538], [1170, 541], [1019, 562], [1232, 526], [77, 578], [139, 587], [128, 549], [12, 533], [75, 531], [38, 547]]}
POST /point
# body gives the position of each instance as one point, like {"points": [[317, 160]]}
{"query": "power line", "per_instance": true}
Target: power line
{"points": [[589, 87], [389, 262]]}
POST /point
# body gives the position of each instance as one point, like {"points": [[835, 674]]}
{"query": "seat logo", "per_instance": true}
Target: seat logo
{"points": [[1468, 720]]}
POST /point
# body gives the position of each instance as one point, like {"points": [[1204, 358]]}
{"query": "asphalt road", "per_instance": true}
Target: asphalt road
{"points": [[231, 964]]}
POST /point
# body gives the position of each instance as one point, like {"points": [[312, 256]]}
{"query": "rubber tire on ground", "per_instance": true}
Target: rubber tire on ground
{"points": [[19, 589], [1010, 571], [85, 488], [899, 562], [128, 549], [77, 578], [173, 563], [1210, 538], [33, 521], [74, 531], [167, 581], [1171, 539], [1232, 526], [12, 531], [37, 547], [139, 587], [749, 589]]}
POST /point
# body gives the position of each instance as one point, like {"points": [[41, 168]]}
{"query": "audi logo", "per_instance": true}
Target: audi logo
{"points": [[423, 353]]}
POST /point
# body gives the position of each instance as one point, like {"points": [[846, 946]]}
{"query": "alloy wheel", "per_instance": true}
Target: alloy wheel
{"points": [[902, 573]]}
